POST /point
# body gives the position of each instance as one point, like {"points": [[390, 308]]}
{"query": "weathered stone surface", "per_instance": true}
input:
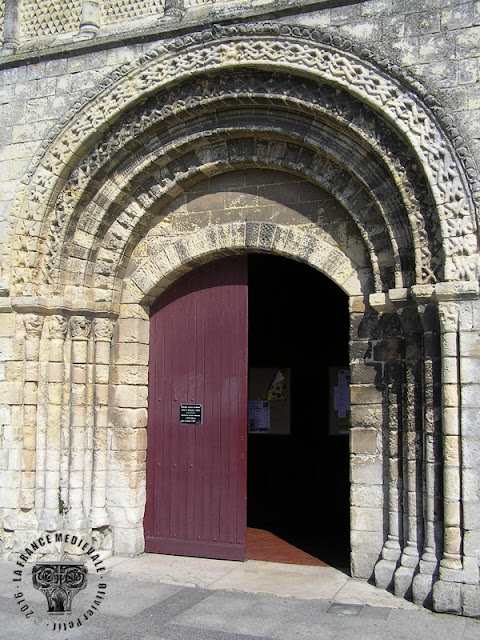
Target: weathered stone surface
{"points": [[123, 167]]}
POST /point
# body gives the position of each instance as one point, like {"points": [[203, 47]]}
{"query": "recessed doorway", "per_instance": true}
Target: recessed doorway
{"points": [[296, 334], [298, 475]]}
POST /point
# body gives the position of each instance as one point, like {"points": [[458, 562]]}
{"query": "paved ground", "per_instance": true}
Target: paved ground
{"points": [[167, 598]]}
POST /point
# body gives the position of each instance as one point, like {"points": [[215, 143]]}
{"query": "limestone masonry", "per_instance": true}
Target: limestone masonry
{"points": [[117, 118]]}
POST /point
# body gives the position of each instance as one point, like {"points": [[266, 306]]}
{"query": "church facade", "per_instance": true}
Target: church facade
{"points": [[146, 143]]}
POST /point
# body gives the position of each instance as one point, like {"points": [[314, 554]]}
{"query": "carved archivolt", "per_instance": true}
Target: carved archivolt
{"points": [[406, 211], [415, 117], [170, 262]]}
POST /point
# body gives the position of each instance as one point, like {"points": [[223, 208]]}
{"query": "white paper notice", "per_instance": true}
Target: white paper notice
{"points": [[258, 416]]}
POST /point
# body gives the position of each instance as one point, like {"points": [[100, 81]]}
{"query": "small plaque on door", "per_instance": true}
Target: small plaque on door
{"points": [[191, 413]]}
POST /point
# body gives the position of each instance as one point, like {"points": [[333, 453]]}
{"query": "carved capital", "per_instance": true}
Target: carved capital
{"points": [[103, 329], [57, 326], [80, 326], [448, 312], [33, 325]]}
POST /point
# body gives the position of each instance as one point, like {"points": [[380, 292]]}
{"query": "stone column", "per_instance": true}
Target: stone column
{"points": [[34, 436], [367, 421], [411, 428], [393, 456], [174, 8], [432, 461], [54, 505], [11, 28], [103, 331], [451, 436], [80, 332], [90, 21], [458, 589]]}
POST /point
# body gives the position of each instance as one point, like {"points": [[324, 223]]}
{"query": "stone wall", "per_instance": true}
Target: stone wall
{"points": [[133, 140]]}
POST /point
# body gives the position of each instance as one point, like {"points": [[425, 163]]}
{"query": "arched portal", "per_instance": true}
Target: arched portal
{"points": [[110, 214]]}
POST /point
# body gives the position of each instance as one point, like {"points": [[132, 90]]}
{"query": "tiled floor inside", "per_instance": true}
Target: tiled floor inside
{"points": [[264, 545]]}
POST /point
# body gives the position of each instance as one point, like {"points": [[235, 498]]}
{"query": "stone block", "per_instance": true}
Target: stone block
{"points": [[467, 43], [470, 422], [471, 600], [27, 460], [471, 395], [133, 330], [365, 394], [471, 544], [471, 485], [79, 373], [129, 439], [471, 514], [131, 517], [451, 395], [471, 453], [127, 417], [447, 597], [362, 564], [363, 440], [366, 519], [128, 461], [14, 371], [102, 394], [366, 495], [130, 353], [55, 371], [366, 470], [9, 497], [102, 373], [130, 375], [128, 541], [7, 325], [12, 393], [133, 396], [125, 486], [451, 450]]}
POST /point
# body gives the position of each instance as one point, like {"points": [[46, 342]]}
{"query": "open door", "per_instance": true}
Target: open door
{"points": [[196, 459]]}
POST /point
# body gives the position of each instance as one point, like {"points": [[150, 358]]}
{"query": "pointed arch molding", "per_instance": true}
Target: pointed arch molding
{"points": [[402, 102], [148, 281]]}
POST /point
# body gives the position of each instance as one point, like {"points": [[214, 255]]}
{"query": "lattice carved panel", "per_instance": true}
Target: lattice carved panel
{"points": [[121, 10], [49, 18]]}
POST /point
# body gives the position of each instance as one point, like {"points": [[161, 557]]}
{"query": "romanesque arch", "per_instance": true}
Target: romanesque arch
{"points": [[281, 98]]}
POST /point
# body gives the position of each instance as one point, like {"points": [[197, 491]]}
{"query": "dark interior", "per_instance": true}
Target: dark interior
{"points": [[298, 485]]}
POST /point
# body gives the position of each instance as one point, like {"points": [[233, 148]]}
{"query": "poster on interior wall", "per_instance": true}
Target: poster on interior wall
{"points": [[278, 388], [258, 416], [339, 392]]}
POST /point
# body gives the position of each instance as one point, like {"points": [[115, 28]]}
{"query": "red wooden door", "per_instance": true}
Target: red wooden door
{"points": [[196, 473]]}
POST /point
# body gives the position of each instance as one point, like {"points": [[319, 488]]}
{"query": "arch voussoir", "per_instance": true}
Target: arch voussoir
{"points": [[162, 268]]}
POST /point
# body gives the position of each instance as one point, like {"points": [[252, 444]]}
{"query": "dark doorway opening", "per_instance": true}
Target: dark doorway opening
{"points": [[298, 483]]}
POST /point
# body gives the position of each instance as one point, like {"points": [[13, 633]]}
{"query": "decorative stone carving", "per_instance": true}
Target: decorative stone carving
{"points": [[33, 325], [103, 329], [58, 326], [448, 313], [123, 10], [50, 18], [80, 327], [411, 110]]}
